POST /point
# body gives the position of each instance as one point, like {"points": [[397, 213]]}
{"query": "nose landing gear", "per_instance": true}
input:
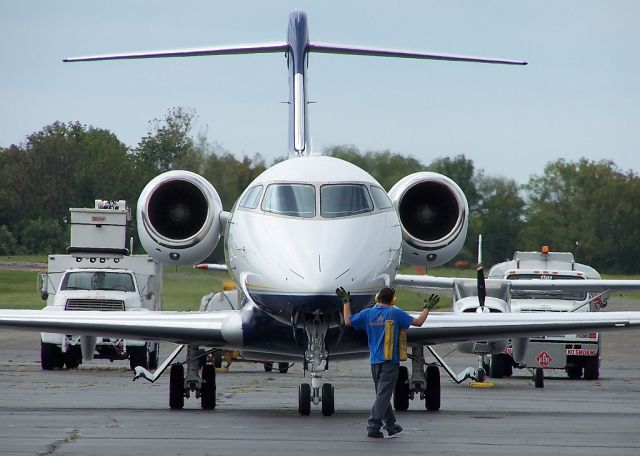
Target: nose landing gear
{"points": [[316, 360]]}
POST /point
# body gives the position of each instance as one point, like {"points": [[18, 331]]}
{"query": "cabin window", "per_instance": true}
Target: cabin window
{"points": [[342, 200], [381, 198], [251, 198], [295, 200]]}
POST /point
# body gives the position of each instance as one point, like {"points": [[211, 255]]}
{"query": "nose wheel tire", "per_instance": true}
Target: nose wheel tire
{"points": [[176, 387], [304, 399], [327, 399]]}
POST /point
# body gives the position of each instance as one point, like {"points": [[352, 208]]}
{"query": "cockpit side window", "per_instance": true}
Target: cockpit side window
{"points": [[251, 198], [295, 200], [380, 197], [342, 200]]}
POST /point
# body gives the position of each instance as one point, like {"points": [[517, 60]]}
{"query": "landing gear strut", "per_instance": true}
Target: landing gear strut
{"points": [[424, 383], [316, 361]]}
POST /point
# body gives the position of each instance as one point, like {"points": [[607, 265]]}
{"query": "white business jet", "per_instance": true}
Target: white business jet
{"points": [[301, 229]]}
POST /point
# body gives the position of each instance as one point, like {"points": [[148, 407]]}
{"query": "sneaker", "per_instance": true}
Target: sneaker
{"points": [[393, 430], [375, 434]]}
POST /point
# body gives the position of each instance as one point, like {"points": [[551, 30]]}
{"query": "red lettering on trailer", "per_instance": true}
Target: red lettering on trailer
{"points": [[544, 359], [581, 352]]}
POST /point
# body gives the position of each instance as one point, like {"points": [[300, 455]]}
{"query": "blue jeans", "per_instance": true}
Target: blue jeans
{"points": [[384, 378]]}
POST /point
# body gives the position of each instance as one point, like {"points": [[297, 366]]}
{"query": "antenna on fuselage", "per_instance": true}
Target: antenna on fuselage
{"points": [[296, 49]]}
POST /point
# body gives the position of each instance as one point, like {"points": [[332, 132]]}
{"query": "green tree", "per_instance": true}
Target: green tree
{"points": [[43, 236], [169, 145], [8, 244], [593, 205], [62, 166], [386, 167], [499, 218]]}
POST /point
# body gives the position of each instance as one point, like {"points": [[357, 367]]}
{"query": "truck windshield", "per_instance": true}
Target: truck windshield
{"points": [[546, 294], [98, 280]]}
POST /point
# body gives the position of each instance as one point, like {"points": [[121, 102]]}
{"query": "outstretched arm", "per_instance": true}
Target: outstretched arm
{"points": [[429, 304], [345, 297]]}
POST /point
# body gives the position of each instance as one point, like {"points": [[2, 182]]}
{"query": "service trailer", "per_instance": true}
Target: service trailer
{"points": [[98, 273]]}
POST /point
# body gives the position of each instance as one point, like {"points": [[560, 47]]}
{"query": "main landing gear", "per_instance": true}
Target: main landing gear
{"points": [[200, 378], [316, 361], [423, 383], [202, 384]]}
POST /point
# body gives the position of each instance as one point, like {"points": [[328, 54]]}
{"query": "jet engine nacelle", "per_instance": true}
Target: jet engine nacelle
{"points": [[434, 215], [178, 218]]}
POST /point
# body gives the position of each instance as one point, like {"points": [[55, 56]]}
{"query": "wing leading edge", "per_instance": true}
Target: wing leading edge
{"points": [[216, 329], [460, 327]]}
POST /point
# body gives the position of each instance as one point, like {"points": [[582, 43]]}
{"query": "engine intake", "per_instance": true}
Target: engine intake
{"points": [[178, 218], [434, 215]]}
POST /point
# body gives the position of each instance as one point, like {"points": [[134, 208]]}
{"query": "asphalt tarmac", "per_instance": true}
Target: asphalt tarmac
{"points": [[97, 410]]}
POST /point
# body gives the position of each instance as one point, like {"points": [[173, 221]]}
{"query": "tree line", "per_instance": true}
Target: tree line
{"points": [[586, 207]]}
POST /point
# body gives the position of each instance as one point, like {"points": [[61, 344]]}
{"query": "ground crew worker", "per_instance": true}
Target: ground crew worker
{"points": [[373, 320]]}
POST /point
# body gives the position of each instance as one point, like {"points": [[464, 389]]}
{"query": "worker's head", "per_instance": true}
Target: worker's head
{"points": [[386, 296]]}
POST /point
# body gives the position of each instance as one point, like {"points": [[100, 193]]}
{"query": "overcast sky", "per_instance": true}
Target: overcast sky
{"points": [[578, 97]]}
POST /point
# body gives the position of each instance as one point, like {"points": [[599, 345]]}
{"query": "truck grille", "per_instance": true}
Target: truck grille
{"points": [[94, 304]]}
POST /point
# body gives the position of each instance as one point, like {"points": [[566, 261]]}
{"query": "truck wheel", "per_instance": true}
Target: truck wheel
{"points": [[208, 389], [50, 356], [283, 368], [538, 378], [176, 387], [401, 391], [268, 367], [72, 357], [592, 368], [138, 356], [574, 372]]}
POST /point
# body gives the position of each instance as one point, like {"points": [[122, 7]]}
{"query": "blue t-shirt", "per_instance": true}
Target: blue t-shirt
{"points": [[372, 320]]}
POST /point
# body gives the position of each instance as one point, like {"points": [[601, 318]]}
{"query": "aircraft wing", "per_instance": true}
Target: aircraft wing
{"points": [[448, 327], [331, 48], [224, 329], [446, 283], [252, 48], [215, 329]]}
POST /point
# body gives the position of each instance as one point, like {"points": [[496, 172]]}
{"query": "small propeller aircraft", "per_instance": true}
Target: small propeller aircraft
{"points": [[303, 228]]}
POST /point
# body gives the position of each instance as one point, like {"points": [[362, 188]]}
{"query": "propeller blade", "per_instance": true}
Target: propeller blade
{"points": [[482, 289]]}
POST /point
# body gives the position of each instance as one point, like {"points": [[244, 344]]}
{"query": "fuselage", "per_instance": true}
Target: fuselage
{"points": [[307, 226]]}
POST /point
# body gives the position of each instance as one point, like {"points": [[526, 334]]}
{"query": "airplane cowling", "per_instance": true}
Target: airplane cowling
{"points": [[434, 216], [178, 217]]}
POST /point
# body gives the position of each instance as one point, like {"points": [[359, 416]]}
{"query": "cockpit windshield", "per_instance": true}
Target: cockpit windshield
{"points": [[295, 200], [341, 200]]}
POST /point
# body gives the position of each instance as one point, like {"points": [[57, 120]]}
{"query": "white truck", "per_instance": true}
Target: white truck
{"points": [[577, 354], [99, 274]]}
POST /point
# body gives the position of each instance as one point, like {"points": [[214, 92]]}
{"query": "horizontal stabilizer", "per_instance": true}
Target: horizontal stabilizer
{"points": [[255, 48], [330, 48]]}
